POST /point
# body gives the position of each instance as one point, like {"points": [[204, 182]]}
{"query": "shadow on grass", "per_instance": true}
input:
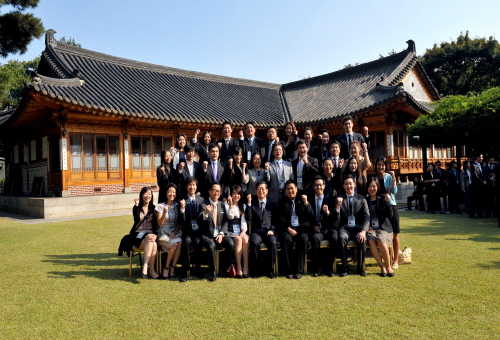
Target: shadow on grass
{"points": [[481, 230], [105, 266]]}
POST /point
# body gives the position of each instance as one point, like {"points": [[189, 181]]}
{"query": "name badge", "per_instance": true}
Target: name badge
{"points": [[236, 228], [299, 180], [141, 234], [194, 225], [375, 224], [249, 155], [282, 184], [295, 221], [216, 232], [351, 222]]}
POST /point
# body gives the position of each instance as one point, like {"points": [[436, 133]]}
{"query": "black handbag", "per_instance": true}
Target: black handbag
{"points": [[127, 240]]}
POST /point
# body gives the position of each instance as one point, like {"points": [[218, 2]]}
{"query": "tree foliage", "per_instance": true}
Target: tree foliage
{"points": [[70, 41], [472, 120], [18, 29], [13, 76], [465, 65]]}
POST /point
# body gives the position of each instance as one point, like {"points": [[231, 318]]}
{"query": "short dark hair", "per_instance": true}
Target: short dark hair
{"points": [[226, 122], [271, 127], [299, 142], [347, 176], [212, 185], [191, 179], [260, 183], [290, 181], [335, 142], [275, 145], [188, 147], [317, 178], [213, 145], [249, 123], [346, 118]]}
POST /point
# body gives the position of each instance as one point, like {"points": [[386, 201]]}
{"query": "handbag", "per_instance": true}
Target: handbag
{"points": [[127, 240], [405, 256], [163, 237], [231, 271]]}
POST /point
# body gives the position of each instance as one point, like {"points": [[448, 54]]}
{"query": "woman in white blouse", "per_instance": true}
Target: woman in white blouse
{"points": [[237, 227]]}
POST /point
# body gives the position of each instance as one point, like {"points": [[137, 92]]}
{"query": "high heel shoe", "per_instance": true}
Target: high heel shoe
{"points": [[165, 277], [144, 276], [171, 269]]}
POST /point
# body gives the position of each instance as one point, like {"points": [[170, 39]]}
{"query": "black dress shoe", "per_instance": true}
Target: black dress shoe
{"points": [[362, 273], [383, 274], [331, 273], [183, 278], [317, 274], [212, 277], [271, 275], [238, 276], [244, 276], [390, 274], [343, 274], [297, 276], [145, 276], [289, 276]]}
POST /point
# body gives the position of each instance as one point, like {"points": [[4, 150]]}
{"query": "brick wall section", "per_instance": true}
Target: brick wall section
{"points": [[85, 190]]}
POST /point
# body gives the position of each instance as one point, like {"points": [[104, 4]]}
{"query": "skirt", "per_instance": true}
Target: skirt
{"points": [[380, 235]]}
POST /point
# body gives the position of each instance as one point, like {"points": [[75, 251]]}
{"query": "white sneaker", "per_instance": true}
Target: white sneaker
{"points": [[395, 266]]}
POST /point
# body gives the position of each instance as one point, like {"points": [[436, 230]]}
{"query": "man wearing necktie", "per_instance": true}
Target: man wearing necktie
{"points": [[186, 169], [214, 171], [478, 188], [226, 143], [277, 173], [213, 223], [353, 219], [272, 138], [348, 137], [324, 207], [262, 215], [297, 219], [304, 168], [250, 144], [338, 162]]}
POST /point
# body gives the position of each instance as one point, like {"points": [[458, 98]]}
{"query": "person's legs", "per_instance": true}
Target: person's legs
{"points": [[237, 254]]}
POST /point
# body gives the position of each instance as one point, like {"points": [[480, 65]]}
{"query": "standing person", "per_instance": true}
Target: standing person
{"points": [[323, 207], [169, 233], [466, 184], [146, 229], [388, 185], [353, 169], [304, 168], [188, 168], [478, 187], [329, 177], [255, 174], [431, 197], [338, 164], [310, 142], [202, 148], [250, 144], [264, 230], [443, 186], [226, 143], [348, 137], [235, 171], [278, 172], [178, 152], [496, 186], [297, 219], [164, 175], [291, 138], [267, 147], [357, 150], [353, 219], [417, 193], [237, 230], [489, 195], [454, 188], [212, 220], [214, 172], [191, 232], [380, 231], [323, 150]]}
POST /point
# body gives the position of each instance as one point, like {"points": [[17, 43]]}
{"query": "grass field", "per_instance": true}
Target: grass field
{"points": [[63, 280]]}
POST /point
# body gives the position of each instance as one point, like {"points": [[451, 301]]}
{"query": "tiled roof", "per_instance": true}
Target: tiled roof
{"points": [[350, 91], [132, 88]]}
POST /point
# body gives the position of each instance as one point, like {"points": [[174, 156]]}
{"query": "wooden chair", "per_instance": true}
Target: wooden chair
{"points": [[134, 252], [350, 244]]}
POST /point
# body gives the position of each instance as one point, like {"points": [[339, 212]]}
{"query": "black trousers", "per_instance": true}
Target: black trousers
{"points": [[454, 198], [228, 253], [477, 200], [256, 239], [316, 239], [333, 237], [301, 239], [188, 241], [345, 235]]}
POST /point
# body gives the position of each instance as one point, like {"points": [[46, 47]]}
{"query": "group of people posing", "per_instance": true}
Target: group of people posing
{"points": [[240, 194]]}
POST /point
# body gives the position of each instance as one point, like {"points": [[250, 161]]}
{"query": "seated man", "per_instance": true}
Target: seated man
{"points": [[324, 229], [354, 221], [212, 220], [264, 230], [297, 220], [191, 233]]}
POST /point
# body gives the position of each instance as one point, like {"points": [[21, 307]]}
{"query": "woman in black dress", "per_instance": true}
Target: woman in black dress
{"points": [[164, 175]]}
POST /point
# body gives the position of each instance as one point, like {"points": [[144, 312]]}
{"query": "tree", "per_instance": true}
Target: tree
{"points": [[70, 41], [465, 65], [472, 120], [18, 29], [13, 76]]}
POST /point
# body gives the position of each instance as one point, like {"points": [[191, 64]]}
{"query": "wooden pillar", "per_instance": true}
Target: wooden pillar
{"points": [[64, 148], [125, 159]]}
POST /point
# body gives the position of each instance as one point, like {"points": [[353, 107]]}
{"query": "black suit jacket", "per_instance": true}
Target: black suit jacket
{"points": [[327, 221], [453, 179], [255, 148], [182, 177], [360, 212], [291, 149], [344, 147], [207, 225], [262, 224], [209, 179], [383, 211], [225, 153], [305, 214], [189, 214], [477, 176], [309, 171], [265, 150]]}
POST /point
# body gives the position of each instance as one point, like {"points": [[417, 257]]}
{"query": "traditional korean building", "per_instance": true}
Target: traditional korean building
{"points": [[94, 124]]}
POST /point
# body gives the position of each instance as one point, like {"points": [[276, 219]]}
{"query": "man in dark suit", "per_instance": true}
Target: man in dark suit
{"points": [[353, 222], [496, 186], [267, 146], [296, 219], [338, 162], [226, 143], [250, 144], [212, 220], [478, 188], [348, 137], [323, 229], [191, 233], [443, 185], [304, 168], [214, 172], [454, 188], [264, 230], [489, 195], [188, 169]]}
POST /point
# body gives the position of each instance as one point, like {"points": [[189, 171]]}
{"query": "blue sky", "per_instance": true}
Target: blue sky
{"points": [[274, 41]]}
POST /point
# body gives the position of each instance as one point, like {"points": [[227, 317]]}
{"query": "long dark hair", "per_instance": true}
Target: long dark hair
{"points": [[151, 206], [360, 179], [202, 142], [167, 166], [237, 189]]}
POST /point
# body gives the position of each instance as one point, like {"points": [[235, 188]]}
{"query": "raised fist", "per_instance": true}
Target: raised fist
{"points": [[231, 163], [266, 166], [339, 200], [230, 200], [304, 199], [208, 209], [136, 201], [205, 165], [220, 145], [249, 199], [241, 134], [326, 210], [277, 139], [183, 204]]}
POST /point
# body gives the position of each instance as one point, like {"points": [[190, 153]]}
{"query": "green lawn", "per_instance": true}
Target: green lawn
{"points": [[63, 280]]}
